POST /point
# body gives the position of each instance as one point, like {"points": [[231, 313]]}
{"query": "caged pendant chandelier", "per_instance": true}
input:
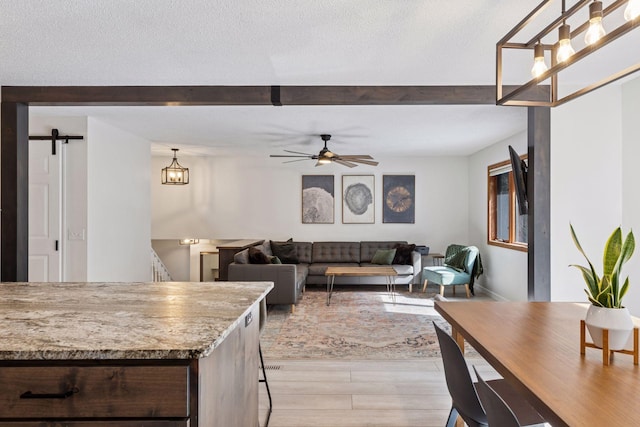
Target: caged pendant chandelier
{"points": [[560, 51], [174, 174]]}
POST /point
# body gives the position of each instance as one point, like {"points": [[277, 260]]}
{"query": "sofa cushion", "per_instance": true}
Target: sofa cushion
{"points": [[256, 256], [336, 252], [241, 257], [319, 268], [403, 254], [286, 251], [383, 256], [303, 251], [368, 249]]}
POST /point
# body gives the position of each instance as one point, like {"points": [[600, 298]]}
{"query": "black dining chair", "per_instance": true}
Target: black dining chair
{"points": [[463, 393], [498, 412]]}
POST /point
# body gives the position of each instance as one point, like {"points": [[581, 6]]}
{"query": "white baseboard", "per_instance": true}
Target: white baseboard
{"points": [[490, 293]]}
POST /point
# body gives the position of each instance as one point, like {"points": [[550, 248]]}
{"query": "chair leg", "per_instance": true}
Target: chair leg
{"points": [[441, 290], [466, 288], [293, 308], [264, 380], [454, 290], [410, 287], [424, 287]]}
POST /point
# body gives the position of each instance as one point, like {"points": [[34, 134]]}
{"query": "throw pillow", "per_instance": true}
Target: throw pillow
{"points": [[256, 256], [286, 251], [383, 257], [403, 254], [241, 257], [458, 260], [275, 260]]}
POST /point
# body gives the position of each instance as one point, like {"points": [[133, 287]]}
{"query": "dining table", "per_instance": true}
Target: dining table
{"points": [[535, 346]]}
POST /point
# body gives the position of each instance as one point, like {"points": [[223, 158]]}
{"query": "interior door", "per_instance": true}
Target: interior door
{"points": [[44, 212]]}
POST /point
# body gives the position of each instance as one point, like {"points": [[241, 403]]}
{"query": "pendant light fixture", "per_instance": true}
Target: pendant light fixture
{"points": [[554, 34], [632, 11], [174, 174], [565, 50], [596, 30], [539, 66]]}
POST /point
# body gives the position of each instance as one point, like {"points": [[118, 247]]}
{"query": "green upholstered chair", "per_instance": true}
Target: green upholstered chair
{"points": [[453, 272]]}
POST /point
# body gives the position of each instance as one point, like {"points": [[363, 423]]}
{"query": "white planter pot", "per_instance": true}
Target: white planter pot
{"points": [[616, 320]]}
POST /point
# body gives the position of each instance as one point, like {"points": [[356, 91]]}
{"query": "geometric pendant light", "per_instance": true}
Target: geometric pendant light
{"points": [[174, 174], [554, 36]]}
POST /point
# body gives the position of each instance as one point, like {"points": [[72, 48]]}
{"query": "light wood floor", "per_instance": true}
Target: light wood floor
{"points": [[388, 393], [362, 393]]}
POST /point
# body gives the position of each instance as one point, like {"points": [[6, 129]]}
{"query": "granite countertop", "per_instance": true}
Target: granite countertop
{"points": [[157, 320]]}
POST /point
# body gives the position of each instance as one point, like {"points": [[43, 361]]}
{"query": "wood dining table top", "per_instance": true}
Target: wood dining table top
{"points": [[536, 347]]}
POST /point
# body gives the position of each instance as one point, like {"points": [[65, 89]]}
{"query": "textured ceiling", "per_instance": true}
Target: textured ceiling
{"points": [[271, 42]]}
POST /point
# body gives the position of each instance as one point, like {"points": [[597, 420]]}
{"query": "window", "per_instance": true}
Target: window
{"points": [[507, 228]]}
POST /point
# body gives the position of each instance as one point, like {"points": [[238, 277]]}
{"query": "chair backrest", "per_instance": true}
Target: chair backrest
{"points": [[459, 382], [498, 412]]}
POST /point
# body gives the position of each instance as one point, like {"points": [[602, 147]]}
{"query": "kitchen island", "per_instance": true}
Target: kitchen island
{"points": [[130, 354]]}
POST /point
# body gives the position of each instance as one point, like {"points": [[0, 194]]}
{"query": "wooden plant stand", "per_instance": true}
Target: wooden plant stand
{"points": [[607, 354]]}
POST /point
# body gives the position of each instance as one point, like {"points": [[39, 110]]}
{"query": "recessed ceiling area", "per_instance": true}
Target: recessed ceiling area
{"points": [[263, 130]]}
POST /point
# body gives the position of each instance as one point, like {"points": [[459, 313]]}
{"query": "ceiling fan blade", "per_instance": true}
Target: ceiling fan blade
{"points": [[308, 156], [343, 163], [364, 162], [297, 160], [297, 152], [357, 156]]}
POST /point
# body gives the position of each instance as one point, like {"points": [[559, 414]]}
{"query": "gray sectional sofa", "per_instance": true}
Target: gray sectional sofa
{"points": [[311, 261]]}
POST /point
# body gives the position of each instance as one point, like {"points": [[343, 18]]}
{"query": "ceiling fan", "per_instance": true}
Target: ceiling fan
{"points": [[326, 156]]}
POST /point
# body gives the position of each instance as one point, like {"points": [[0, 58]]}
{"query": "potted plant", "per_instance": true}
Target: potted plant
{"points": [[606, 292]]}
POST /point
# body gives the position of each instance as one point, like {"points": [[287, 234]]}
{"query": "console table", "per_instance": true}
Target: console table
{"points": [[130, 354]]}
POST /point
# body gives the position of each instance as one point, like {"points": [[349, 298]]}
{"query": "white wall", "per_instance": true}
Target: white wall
{"points": [[75, 189], [586, 190], [505, 270], [119, 233], [256, 197], [630, 180]]}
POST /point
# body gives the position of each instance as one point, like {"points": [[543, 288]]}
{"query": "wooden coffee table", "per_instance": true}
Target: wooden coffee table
{"points": [[386, 271]]}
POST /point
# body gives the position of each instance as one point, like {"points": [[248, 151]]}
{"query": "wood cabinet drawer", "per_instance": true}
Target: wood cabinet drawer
{"points": [[94, 392]]}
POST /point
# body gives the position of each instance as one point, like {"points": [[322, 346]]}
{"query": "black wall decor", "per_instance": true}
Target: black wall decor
{"points": [[398, 199]]}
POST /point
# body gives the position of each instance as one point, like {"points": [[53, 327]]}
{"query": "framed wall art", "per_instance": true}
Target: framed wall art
{"points": [[358, 205], [398, 199], [318, 199]]}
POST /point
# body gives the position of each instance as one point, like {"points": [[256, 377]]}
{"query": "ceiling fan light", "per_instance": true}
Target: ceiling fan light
{"points": [[324, 161]]}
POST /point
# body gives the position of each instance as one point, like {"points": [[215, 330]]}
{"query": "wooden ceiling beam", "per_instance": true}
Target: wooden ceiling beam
{"points": [[248, 95]]}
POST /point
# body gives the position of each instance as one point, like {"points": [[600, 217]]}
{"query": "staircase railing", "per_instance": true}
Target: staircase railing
{"points": [[159, 272]]}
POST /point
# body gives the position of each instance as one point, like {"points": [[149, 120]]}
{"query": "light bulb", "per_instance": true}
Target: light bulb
{"points": [[565, 50], [633, 10], [596, 30], [539, 66]]}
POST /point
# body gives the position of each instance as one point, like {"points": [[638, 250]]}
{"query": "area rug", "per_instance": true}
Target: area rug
{"points": [[359, 324]]}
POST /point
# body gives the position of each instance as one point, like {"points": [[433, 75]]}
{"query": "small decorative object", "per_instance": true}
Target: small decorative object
{"points": [[317, 199], [357, 199], [398, 204], [607, 315], [174, 174]]}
